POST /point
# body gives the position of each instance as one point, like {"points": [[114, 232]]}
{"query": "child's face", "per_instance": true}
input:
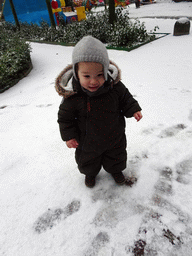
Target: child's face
{"points": [[91, 75]]}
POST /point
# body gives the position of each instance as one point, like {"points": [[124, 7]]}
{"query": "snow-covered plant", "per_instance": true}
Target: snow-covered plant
{"points": [[14, 58], [122, 33]]}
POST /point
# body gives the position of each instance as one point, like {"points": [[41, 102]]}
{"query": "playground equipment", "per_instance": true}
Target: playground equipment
{"points": [[56, 10], [27, 11], [36, 11], [88, 4], [121, 3], [70, 15], [81, 13]]}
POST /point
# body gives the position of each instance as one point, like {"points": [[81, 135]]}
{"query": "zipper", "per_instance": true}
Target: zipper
{"points": [[87, 120], [88, 105]]}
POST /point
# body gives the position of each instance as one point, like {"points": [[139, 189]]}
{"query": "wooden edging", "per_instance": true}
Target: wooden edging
{"points": [[128, 49]]}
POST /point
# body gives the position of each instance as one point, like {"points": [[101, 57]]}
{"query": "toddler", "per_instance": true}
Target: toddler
{"points": [[91, 114]]}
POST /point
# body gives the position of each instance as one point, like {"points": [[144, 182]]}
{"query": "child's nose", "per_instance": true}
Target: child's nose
{"points": [[94, 81]]}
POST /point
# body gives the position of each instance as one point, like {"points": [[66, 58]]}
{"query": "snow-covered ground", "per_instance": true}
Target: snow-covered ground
{"points": [[47, 210]]}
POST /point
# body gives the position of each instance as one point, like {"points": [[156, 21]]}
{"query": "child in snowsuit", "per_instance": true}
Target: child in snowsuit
{"points": [[91, 114]]}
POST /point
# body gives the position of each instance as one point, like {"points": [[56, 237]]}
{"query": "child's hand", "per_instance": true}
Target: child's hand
{"points": [[72, 143], [138, 116]]}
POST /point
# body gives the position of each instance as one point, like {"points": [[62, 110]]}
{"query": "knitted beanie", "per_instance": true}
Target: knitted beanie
{"points": [[90, 49]]}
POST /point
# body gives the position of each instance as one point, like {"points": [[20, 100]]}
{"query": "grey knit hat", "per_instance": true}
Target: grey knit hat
{"points": [[90, 49]]}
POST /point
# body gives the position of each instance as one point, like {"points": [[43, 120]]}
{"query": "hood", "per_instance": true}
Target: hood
{"points": [[64, 84]]}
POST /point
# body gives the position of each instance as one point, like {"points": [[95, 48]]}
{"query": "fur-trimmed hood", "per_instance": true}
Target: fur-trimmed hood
{"points": [[64, 85]]}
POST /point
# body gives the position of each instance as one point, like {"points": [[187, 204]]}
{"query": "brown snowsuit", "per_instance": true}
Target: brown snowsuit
{"points": [[96, 122]]}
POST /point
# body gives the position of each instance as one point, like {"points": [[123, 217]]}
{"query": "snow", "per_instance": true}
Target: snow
{"points": [[183, 20], [45, 207]]}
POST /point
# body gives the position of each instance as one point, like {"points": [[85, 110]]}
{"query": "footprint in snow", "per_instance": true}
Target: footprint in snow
{"points": [[107, 215], [107, 195], [154, 230], [172, 131], [53, 216], [98, 242], [2, 107], [190, 115], [183, 217], [44, 105], [183, 170], [164, 184], [152, 234]]}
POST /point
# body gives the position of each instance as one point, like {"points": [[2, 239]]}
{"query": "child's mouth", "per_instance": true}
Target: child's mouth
{"points": [[93, 88]]}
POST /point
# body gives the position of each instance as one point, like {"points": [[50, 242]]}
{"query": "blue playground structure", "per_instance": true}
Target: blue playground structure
{"points": [[28, 11], [36, 11]]}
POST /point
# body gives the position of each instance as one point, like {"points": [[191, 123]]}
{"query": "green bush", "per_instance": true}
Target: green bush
{"points": [[122, 33], [14, 58]]}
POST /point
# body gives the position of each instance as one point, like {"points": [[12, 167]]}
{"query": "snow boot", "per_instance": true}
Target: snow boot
{"points": [[90, 181], [119, 178], [130, 181]]}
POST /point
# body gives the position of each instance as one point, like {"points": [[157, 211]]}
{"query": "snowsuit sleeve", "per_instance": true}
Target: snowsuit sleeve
{"points": [[67, 119], [128, 104]]}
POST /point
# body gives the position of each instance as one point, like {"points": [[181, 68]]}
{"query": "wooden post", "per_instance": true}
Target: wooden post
{"points": [[14, 14], [50, 13], [112, 15]]}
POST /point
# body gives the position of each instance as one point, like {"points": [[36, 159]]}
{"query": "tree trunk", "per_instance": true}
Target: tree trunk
{"points": [[112, 15]]}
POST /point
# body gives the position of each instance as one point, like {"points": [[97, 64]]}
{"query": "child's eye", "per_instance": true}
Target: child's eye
{"points": [[100, 74], [87, 76]]}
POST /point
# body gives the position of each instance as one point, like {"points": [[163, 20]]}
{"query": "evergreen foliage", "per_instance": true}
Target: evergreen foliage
{"points": [[123, 32], [14, 59]]}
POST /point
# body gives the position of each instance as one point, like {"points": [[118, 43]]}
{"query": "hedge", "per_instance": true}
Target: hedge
{"points": [[15, 61]]}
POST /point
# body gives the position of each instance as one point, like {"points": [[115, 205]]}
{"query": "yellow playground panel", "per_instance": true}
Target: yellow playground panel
{"points": [[81, 13]]}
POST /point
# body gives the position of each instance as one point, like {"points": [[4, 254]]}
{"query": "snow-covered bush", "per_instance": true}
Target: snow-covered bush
{"points": [[14, 58], [123, 32]]}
